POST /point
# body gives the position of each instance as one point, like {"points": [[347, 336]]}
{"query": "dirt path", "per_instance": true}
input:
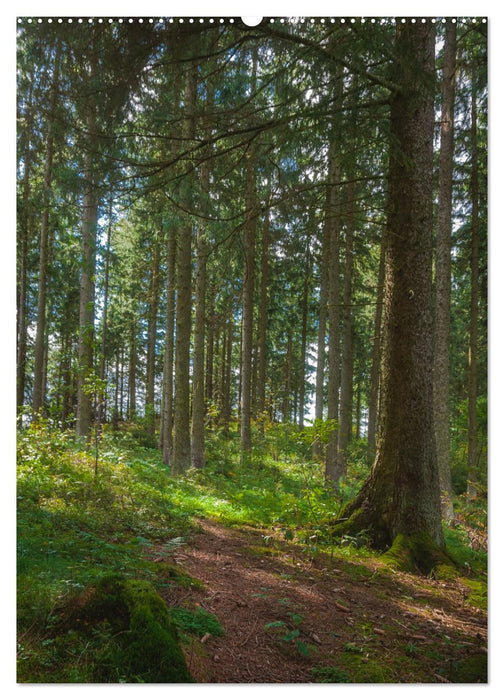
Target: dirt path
{"points": [[369, 624]]}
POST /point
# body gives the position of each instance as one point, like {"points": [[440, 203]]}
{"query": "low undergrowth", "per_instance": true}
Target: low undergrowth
{"points": [[80, 518]]}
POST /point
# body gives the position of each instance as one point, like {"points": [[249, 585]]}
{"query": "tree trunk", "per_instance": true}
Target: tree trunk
{"points": [[472, 437], [249, 237], [347, 354], [181, 427], [302, 364], [167, 400], [333, 315], [443, 277], [321, 332], [24, 234], [132, 363], [374, 384], [151, 340], [40, 338], [400, 501], [198, 403], [88, 266], [102, 392], [263, 315]]}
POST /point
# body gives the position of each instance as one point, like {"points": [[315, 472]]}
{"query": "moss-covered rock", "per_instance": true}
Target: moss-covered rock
{"points": [[139, 641]]}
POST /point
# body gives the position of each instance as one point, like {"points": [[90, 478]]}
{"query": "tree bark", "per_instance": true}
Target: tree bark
{"points": [[302, 364], [374, 384], [249, 239], [400, 501], [347, 354], [472, 437], [321, 332], [181, 424], [40, 338], [263, 315], [151, 340], [166, 432], [88, 266], [333, 315], [443, 276], [132, 363], [24, 234]]}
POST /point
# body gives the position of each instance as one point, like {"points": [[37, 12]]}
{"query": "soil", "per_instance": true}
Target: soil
{"points": [[350, 621]]}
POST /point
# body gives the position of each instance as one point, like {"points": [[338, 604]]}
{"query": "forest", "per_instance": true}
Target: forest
{"points": [[251, 267]]}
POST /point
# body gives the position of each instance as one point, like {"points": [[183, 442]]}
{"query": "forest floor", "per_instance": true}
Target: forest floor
{"points": [[290, 617]]}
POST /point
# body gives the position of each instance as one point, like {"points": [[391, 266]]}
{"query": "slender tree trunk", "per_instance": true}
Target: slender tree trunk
{"points": [[132, 366], [209, 384], [302, 364], [288, 379], [167, 422], [151, 340], [24, 234], [198, 403], [347, 355], [400, 501], [333, 316], [198, 399], [377, 346], [88, 266], [40, 338], [263, 315], [181, 425], [321, 332], [227, 341], [443, 276], [358, 410], [248, 307], [472, 444], [102, 392], [249, 239]]}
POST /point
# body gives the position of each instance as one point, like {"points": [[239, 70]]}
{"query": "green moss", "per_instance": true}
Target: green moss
{"points": [[471, 669], [140, 643], [478, 595], [364, 670], [418, 552], [197, 621], [178, 577]]}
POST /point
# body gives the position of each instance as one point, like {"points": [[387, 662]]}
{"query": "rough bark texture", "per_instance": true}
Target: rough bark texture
{"points": [[263, 316], [249, 238], [132, 362], [401, 498], [166, 433], [321, 333], [181, 424], [151, 339], [198, 404], [302, 368], [472, 438], [333, 314], [377, 344], [23, 238], [87, 279], [40, 338], [443, 277], [347, 353]]}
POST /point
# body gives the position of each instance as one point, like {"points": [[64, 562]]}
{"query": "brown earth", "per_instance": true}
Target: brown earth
{"points": [[364, 622]]}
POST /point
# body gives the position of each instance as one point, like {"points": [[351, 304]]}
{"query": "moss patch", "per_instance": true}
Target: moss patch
{"points": [[478, 593], [418, 553], [472, 669], [139, 638]]}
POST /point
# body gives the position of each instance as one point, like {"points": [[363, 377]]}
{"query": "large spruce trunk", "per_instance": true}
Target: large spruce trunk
{"points": [[401, 498]]}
